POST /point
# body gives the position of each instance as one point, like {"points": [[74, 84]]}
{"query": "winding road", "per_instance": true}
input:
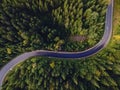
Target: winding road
{"points": [[100, 45]]}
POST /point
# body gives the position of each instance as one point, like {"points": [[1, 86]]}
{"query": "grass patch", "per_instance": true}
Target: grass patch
{"points": [[116, 18]]}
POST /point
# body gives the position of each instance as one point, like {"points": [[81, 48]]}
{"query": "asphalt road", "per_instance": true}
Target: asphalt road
{"points": [[103, 42]]}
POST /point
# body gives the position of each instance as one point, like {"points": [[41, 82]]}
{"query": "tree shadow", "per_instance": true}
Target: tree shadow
{"points": [[47, 27]]}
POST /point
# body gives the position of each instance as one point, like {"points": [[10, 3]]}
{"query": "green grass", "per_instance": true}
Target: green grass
{"points": [[116, 19]]}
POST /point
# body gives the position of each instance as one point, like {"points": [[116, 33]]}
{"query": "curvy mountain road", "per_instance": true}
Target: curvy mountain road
{"points": [[101, 44]]}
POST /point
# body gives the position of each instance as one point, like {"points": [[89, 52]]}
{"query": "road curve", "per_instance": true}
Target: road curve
{"points": [[100, 45]]}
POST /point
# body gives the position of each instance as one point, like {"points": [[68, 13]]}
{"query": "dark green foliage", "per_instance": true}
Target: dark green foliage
{"points": [[100, 72], [44, 20], [27, 25]]}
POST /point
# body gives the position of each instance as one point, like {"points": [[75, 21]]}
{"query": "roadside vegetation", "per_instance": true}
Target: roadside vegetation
{"points": [[98, 72], [27, 25]]}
